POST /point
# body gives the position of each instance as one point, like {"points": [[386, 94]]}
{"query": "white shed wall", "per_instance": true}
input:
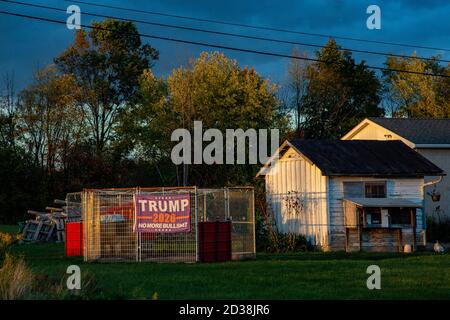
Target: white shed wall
{"points": [[294, 177]]}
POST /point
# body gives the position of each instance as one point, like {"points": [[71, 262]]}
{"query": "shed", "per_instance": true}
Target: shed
{"points": [[349, 195]]}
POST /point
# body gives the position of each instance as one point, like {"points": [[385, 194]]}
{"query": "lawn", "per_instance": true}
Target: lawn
{"points": [[13, 229], [285, 276]]}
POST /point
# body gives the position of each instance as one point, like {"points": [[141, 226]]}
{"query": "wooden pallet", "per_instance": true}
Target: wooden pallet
{"points": [[38, 230]]}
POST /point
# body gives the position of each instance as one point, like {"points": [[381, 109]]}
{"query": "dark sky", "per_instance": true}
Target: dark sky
{"points": [[27, 44]]}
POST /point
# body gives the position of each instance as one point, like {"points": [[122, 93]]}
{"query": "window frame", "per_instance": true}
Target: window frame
{"points": [[410, 214], [363, 188]]}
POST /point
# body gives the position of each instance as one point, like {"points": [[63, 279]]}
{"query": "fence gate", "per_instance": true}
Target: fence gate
{"points": [[113, 223]]}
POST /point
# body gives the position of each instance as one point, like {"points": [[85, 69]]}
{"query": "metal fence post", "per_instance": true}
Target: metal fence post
{"points": [[136, 191], [196, 225], [254, 222]]}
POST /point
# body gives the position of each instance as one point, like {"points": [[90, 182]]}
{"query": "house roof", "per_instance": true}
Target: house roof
{"points": [[383, 203], [365, 158], [418, 131]]}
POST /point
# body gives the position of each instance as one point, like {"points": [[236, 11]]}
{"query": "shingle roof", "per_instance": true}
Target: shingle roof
{"points": [[418, 131], [365, 158]]}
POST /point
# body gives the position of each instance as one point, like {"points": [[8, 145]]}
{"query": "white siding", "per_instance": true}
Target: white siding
{"points": [[441, 158], [295, 177], [373, 131]]}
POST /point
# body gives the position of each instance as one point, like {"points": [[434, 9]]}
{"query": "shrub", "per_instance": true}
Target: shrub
{"points": [[438, 231], [5, 241], [289, 242], [269, 239]]}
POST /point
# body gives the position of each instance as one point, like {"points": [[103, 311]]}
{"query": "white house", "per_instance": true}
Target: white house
{"points": [[349, 195], [429, 137]]}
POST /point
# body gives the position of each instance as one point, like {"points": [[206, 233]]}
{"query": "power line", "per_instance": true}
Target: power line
{"points": [[221, 33], [256, 27], [280, 55]]}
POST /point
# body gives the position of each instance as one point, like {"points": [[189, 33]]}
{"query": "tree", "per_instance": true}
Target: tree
{"points": [[297, 87], [212, 89], [339, 94], [50, 121], [106, 64], [8, 111], [417, 95]]}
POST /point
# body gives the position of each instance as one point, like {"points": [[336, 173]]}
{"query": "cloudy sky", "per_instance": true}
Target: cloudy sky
{"points": [[28, 44]]}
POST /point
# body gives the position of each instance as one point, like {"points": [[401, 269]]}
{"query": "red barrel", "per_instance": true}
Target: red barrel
{"points": [[74, 239], [214, 241]]}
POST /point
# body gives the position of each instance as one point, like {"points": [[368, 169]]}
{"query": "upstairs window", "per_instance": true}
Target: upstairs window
{"points": [[353, 190], [375, 189]]}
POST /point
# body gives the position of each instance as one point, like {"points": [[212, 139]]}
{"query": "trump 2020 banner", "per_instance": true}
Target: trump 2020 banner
{"points": [[163, 213]]}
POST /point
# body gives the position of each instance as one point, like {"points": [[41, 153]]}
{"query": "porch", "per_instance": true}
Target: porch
{"points": [[379, 224]]}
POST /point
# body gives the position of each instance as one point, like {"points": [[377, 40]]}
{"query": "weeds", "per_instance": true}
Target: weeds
{"points": [[16, 279]]}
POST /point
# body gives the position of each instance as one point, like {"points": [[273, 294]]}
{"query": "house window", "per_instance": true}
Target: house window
{"points": [[400, 215], [375, 189], [353, 190], [373, 216]]}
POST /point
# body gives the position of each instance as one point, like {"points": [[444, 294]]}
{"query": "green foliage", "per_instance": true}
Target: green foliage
{"points": [[107, 64], [21, 186], [414, 95], [212, 89], [331, 96], [438, 231]]}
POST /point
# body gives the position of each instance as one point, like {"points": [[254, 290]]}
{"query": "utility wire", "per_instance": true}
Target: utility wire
{"points": [[255, 26], [204, 44], [221, 33]]}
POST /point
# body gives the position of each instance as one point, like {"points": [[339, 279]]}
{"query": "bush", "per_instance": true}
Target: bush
{"points": [[438, 231], [289, 242], [269, 239], [5, 241]]}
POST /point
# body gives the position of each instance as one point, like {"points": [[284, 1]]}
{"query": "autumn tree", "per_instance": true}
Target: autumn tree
{"points": [[106, 63], [413, 94], [50, 120]]}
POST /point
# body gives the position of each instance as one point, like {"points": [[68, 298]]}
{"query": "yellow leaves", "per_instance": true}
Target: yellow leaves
{"points": [[417, 95], [216, 86]]}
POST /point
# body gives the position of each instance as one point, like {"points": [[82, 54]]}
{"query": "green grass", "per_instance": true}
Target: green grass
{"points": [[13, 229], [286, 276]]}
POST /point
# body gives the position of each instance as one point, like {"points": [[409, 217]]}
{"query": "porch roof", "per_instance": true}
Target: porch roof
{"points": [[383, 203]]}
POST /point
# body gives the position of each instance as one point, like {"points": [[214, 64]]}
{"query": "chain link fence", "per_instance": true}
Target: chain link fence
{"points": [[110, 218]]}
